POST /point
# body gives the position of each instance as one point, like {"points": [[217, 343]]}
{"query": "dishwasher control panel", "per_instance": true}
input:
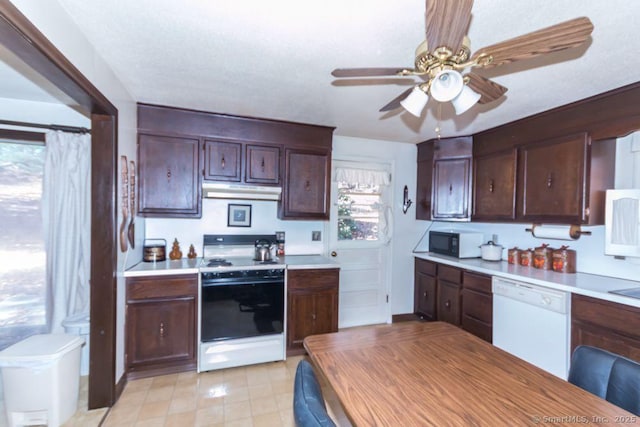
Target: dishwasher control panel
{"points": [[531, 294]]}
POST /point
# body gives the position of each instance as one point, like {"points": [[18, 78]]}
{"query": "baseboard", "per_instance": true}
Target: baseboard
{"points": [[407, 317]]}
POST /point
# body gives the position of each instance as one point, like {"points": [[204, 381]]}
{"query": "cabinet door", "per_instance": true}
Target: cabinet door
{"points": [[425, 296], [424, 181], [477, 313], [222, 161], [449, 302], [325, 312], [554, 180], [263, 164], [160, 331], [300, 322], [494, 186], [451, 189], [169, 176], [306, 187]]}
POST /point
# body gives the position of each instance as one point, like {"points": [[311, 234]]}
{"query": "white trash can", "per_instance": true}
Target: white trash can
{"points": [[41, 378], [78, 324]]}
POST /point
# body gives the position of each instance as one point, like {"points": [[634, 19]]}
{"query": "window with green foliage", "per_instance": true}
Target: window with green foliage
{"points": [[358, 211], [22, 252]]}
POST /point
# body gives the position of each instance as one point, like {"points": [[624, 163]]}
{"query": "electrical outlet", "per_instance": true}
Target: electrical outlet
{"points": [[316, 236]]}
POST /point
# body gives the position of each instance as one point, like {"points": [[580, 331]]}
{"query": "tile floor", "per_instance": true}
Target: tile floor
{"points": [[257, 395]]}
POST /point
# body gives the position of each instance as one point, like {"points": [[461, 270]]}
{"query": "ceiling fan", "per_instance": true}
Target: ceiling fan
{"points": [[446, 53]]}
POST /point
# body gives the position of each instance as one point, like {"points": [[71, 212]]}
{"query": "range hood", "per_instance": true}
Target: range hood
{"points": [[216, 190]]}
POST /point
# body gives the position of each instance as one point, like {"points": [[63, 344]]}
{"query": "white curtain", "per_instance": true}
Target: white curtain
{"points": [[66, 207], [362, 176]]}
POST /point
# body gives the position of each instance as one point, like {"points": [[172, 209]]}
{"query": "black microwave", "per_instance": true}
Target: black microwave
{"points": [[459, 244]]}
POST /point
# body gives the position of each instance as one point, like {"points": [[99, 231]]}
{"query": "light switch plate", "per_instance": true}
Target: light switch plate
{"points": [[316, 236]]}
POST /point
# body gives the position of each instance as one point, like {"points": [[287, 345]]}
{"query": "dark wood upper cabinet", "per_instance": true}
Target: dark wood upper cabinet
{"points": [[425, 179], [235, 149], [306, 184], [263, 164], [554, 179], [451, 186], [494, 186], [169, 176], [563, 180], [223, 161]]}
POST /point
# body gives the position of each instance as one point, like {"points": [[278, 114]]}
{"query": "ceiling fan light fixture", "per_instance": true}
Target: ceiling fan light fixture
{"points": [[446, 85], [465, 100], [415, 102]]}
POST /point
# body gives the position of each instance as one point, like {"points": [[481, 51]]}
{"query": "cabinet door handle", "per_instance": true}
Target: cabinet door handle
{"points": [[307, 186], [222, 163], [161, 329], [262, 164], [168, 173], [549, 180], [450, 189], [425, 294], [447, 304], [491, 186], [313, 316]]}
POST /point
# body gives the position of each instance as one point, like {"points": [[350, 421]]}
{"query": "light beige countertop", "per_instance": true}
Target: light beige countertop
{"points": [[306, 262], [165, 268], [192, 266], [579, 283]]}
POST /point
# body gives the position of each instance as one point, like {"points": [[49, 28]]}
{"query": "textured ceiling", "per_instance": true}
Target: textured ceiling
{"points": [[273, 59]]}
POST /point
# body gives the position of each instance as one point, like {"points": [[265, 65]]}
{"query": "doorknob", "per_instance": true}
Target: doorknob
{"points": [[334, 254]]}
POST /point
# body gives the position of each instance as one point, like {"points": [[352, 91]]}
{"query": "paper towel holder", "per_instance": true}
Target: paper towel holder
{"points": [[574, 231]]}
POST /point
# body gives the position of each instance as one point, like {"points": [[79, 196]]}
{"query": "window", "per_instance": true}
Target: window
{"points": [[358, 211], [22, 252]]}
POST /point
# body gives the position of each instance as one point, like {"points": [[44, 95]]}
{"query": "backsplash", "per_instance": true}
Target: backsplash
{"points": [[264, 220]]}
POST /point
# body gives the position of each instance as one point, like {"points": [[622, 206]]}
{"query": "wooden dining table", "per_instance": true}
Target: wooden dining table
{"points": [[436, 374]]}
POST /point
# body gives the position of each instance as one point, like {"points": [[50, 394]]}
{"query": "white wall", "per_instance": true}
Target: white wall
{"points": [[406, 230], [264, 220], [51, 19], [40, 112]]}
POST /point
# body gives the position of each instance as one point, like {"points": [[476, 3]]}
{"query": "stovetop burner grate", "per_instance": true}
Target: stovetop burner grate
{"points": [[218, 262]]}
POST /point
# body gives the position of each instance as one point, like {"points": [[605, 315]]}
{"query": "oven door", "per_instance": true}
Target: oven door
{"points": [[241, 309]]}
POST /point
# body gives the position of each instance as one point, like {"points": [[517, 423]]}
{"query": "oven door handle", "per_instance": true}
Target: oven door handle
{"points": [[247, 282]]}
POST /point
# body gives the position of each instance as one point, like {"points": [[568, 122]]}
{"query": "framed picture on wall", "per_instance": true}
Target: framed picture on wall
{"points": [[239, 216]]}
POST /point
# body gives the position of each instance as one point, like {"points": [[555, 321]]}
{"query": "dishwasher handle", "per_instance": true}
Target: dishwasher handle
{"points": [[527, 293]]}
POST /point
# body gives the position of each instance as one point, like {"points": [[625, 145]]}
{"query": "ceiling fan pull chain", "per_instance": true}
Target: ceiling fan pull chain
{"points": [[439, 114]]}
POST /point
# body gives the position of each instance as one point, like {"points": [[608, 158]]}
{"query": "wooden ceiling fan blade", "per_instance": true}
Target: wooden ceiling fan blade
{"points": [[447, 22], [488, 89], [565, 35], [395, 102], [366, 72]]}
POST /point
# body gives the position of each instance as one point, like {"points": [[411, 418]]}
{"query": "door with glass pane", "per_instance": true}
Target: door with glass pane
{"points": [[359, 235]]}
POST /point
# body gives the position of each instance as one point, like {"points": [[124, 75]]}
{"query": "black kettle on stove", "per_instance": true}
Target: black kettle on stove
{"points": [[263, 250]]}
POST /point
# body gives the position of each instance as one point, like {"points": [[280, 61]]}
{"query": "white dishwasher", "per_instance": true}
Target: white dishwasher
{"points": [[532, 323]]}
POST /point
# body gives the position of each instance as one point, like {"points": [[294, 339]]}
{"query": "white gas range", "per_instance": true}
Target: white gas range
{"points": [[242, 310]]}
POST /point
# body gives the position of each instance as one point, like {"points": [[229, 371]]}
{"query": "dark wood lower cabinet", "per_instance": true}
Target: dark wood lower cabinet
{"points": [[454, 295], [425, 296], [477, 305], [449, 302], [607, 325], [312, 305], [161, 317]]}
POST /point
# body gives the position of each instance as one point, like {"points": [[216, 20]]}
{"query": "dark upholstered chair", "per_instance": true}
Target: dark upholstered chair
{"points": [[624, 385], [309, 409], [590, 369], [608, 375]]}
